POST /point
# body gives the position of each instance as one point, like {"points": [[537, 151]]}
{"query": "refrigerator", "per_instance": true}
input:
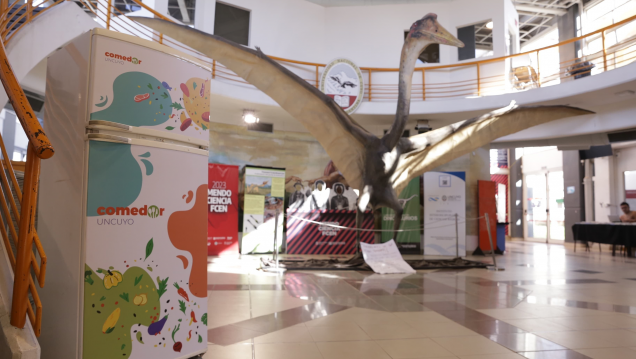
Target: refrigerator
{"points": [[123, 202]]}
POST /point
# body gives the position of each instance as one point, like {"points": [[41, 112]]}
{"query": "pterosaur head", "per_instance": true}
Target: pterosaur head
{"points": [[427, 29]]}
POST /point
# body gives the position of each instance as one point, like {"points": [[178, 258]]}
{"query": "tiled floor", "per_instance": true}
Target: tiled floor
{"points": [[549, 303]]}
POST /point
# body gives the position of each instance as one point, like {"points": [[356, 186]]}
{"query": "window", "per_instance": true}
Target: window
{"points": [[182, 10], [599, 14], [477, 40], [232, 23]]}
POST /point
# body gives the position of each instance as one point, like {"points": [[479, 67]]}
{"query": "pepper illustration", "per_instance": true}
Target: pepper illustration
{"points": [[140, 299], [192, 318], [182, 292], [111, 321], [155, 328], [189, 336], [111, 278]]}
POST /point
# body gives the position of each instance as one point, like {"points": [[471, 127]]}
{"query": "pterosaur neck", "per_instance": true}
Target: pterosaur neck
{"points": [[410, 53]]}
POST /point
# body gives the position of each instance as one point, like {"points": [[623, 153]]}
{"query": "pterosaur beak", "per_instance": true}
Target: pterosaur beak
{"points": [[444, 37]]}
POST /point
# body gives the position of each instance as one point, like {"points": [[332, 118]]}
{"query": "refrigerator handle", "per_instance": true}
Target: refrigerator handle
{"points": [[109, 138], [109, 124]]}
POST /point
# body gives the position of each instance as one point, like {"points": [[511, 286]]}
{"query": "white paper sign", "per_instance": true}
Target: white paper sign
{"points": [[385, 258]]}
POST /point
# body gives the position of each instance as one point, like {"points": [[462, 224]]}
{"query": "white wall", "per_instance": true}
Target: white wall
{"points": [[625, 161], [293, 29], [551, 160], [604, 188], [371, 36]]}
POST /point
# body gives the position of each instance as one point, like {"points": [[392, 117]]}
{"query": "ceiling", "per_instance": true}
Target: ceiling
{"points": [[537, 16], [335, 3]]}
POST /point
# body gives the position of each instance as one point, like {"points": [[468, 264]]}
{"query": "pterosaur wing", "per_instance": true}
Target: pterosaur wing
{"points": [[341, 137], [426, 151]]}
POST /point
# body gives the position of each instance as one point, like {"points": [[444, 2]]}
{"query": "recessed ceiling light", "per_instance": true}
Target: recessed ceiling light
{"points": [[624, 93], [489, 25], [249, 116]]}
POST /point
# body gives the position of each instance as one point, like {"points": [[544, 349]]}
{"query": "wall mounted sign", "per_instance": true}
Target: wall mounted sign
{"points": [[342, 81], [223, 207]]}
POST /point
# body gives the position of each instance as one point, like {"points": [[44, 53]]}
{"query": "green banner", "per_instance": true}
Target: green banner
{"points": [[408, 242]]}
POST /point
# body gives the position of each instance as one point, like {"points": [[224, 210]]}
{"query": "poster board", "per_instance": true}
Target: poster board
{"points": [[263, 201], [407, 242], [223, 181], [444, 196]]}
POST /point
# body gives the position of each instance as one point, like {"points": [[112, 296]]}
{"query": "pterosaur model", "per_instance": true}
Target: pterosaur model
{"points": [[379, 167]]}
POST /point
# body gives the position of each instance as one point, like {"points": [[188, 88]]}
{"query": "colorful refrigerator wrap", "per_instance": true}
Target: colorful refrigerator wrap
{"points": [[123, 202]]}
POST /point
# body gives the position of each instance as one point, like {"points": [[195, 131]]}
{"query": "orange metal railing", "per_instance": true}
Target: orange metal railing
{"points": [[13, 18], [491, 76]]}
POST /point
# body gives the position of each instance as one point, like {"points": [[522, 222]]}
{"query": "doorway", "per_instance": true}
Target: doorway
{"points": [[543, 207]]}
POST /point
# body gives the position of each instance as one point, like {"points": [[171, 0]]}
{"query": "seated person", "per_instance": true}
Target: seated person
{"points": [[629, 215]]}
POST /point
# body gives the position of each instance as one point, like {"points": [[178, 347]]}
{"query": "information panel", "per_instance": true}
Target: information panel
{"points": [[264, 197], [444, 196], [222, 209], [408, 242]]}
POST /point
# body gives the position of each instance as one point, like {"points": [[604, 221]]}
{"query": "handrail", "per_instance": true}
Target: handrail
{"points": [[39, 147], [505, 82]]}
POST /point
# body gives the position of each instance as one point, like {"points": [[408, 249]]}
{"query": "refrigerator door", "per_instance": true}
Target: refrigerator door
{"points": [[145, 274], [139, 83]]}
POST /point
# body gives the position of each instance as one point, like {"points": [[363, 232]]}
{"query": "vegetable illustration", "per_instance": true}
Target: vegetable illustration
{"points": [[111, 321], [181, 292], [189, 336], [124, 296], [185, 90], [200, 339], [177, 345], [185, 124], [156, 327], [87, 277], [139, 338], [204, 319], [163, 286], [100, 302], [205, 116], [202, 91], [182, 306], [149, 246], [192, 318], [142, 97], [140, 299], [111, 278], [176, 106]]}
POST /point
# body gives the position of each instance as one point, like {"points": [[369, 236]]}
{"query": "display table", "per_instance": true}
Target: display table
{"points": [[606, 233]]}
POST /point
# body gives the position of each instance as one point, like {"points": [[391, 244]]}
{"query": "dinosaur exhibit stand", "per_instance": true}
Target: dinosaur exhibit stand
{"points": [[381, 167]]}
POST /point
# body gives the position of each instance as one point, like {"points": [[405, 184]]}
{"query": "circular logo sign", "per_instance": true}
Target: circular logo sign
{"points": [[342, 81]]}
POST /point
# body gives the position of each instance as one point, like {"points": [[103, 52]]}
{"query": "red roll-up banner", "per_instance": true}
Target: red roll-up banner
{"points": [[223, 212]]}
